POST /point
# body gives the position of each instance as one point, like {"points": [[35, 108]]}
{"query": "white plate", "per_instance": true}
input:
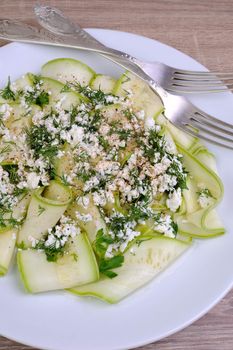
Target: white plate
{"points": [[186, 291]]}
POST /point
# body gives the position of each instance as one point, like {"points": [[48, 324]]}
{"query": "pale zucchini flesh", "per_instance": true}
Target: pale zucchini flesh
{"points": [[103, 82], [65, 99], [200, 222], [142, 96], [77, 267], [148, 259], [7, 246], [43, 212], [90, 227], [68, 69]]}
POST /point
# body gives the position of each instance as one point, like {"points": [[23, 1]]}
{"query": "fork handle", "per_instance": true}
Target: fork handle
{"points": [[18, 31], [55, 21], [88, 40]]}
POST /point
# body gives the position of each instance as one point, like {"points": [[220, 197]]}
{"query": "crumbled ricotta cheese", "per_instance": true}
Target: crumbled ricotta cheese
{"points": [[174, 200], [5, 111], [164, 226], [205, 199], [32, 180], [83, 217], [149, 123]]}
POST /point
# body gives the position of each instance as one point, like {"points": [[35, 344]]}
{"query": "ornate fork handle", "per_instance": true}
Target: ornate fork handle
{"points": [[18, 31], [13, 30], [54, 20]]}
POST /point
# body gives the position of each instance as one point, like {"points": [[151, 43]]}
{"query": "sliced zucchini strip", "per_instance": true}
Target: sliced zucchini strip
{"points": [[78, 266], [143, 97], [103, 82], [65, 99], [7, 246], [201, 222], [147, 260], [46, 207], [68, 69], [95, 224]]}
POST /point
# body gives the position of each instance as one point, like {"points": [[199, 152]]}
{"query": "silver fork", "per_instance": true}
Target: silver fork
{"points": [[177, 108], [171, 79]]}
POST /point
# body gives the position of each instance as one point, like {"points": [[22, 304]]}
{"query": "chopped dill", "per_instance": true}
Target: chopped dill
{"points": [[40, 100], [95, 96], [12, 172], [103, 142], [40, 140], [51, 251], [41, 210], [7, 92], [5, 149]]}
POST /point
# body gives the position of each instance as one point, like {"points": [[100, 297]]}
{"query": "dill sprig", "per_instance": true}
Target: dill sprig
{"points": [[5, 149], [52, 252], [12, 170], [95, 96], [7, 92], [176, 168], [40, 140], [41, 99]]}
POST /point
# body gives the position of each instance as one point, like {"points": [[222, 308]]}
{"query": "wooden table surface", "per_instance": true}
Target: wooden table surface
{"points": [[200, 28]]}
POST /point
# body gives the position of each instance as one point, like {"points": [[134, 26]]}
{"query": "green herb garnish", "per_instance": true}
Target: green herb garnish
{"points": [[41, 210], [106, 265], [52, 252], [12, 171], [101, 242], [40, 140], [7, 93]]}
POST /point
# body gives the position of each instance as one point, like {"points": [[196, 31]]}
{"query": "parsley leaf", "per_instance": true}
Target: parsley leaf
{"points": [[101, 242], [106, 265], [41, 99]]}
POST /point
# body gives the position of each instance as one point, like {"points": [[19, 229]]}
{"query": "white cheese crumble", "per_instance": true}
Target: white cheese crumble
{"points": [[83, 217], [32, 180], [59, 235], [174, 200], [83, 201], [5, 111], [205, 199], [164, 226]]}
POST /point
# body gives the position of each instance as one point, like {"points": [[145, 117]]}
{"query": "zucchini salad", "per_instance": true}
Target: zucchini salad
{"points": [[99, 192]]}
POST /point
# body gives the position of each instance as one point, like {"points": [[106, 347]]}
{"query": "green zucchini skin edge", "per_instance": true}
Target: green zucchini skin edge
{"points": [[209, 232], [37, 195], [21, 272]]}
